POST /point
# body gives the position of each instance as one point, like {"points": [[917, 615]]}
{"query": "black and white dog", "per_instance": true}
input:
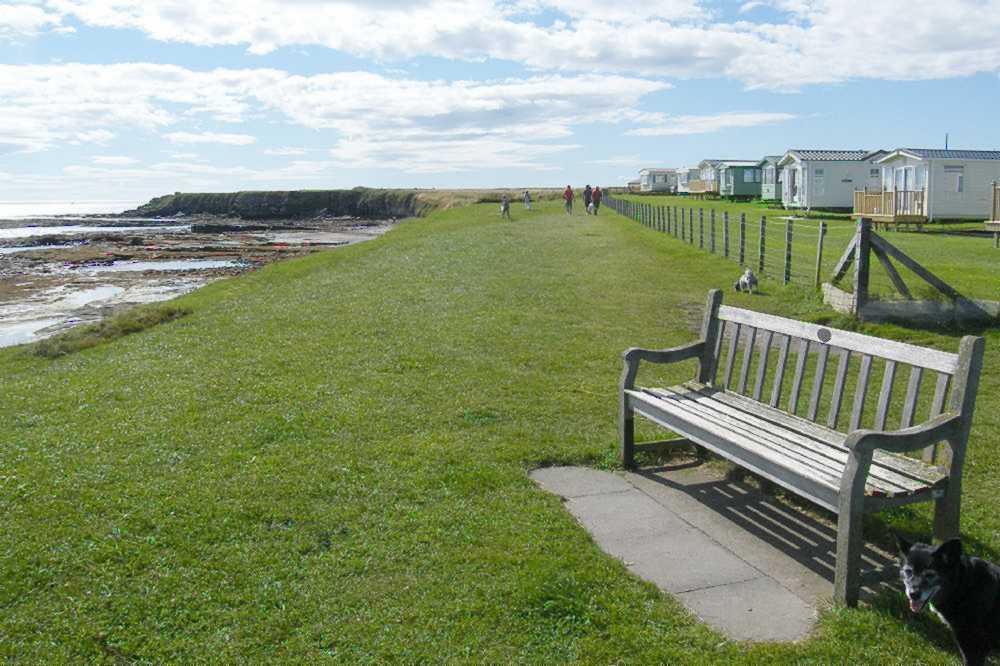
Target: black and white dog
{"points": [[963, 591], [747, 282]]}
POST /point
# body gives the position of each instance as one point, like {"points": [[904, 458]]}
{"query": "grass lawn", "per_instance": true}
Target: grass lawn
{"points": [[968, 263], [327, 461]]}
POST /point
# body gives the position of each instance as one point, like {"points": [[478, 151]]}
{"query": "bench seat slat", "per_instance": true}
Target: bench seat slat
{"points": [[829, 456], [801, 452], [903, 465]]}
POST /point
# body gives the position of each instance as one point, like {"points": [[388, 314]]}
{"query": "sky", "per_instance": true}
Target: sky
{"points": [[128, 99]]}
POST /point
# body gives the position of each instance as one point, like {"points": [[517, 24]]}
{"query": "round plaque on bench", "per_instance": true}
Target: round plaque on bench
{"points": [[824, 335]]}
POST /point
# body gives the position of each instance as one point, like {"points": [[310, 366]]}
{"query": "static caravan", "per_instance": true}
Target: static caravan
{"points": [[658, 180], [828, 178], [708, 178], [739, 178], [685, 176], [924, 184], [770, 178]]}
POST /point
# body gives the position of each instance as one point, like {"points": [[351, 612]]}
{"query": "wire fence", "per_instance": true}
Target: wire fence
{"points": [[788, 249]]}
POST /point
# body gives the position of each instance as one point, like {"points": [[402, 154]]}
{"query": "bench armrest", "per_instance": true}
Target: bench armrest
{"points": [[673, 355], [937, 429]]}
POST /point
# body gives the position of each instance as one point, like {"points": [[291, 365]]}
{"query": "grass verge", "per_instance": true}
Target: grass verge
{"points": [[326, 461], [124, 323]]}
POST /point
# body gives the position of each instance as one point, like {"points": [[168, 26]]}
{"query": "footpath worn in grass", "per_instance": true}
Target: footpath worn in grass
{"points": [[326, 460]]}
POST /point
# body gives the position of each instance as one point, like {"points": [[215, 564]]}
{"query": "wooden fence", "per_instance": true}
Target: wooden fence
{"points": [[775, 248], [890, 204], [996, 203]]}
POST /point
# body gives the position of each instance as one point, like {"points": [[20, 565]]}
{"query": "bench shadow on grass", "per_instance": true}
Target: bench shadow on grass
{"points": [[803, 535]]}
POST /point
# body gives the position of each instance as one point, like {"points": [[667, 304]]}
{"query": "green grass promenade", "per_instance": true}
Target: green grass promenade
{"points": [[326, 461]]}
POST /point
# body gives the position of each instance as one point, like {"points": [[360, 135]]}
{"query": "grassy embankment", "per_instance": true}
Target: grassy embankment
{"points": [[968, 263], [327, 459]]}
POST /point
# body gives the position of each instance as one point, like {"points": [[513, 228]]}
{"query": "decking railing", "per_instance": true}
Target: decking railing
{"points": [[908, 203], [703, 186], [996, 202]]}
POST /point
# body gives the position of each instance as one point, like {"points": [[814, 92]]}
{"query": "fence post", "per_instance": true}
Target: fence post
{"points": [[683, 225], [691, 226], [763, 243], [862, 257], [711, 231], [701, 228], [668, 219], [659, 218], [819, 252], [788, 251], [725, 234], [676, 220], [743, 238]]}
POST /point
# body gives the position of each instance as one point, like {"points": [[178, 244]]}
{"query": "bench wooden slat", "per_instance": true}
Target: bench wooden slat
{"points": [[837, 399], [800, 371], [900, 352], [751, 338], [904, 465], [779, 371], [818, 379], [765, 351], [825, 457], [734, 339], [937, 406], [861, 392], [888, 378], [912, 391]]}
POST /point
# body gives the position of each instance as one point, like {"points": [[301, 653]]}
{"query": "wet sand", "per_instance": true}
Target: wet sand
{"points": [[61, 272]]}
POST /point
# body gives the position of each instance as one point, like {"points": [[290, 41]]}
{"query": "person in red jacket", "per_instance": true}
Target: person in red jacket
{"points": [[595, 198], [568, 196]]}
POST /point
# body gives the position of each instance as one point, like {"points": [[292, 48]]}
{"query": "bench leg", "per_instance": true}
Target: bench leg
{"points": [[627, 425], [850, 538], [847, 579], [947, 509]]}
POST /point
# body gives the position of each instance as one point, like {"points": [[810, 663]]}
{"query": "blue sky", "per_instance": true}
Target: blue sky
{"points": [[127, 99]]}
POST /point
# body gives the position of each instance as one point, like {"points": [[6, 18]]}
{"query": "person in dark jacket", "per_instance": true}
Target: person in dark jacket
{"points": [[595, 198], [587, 193]]}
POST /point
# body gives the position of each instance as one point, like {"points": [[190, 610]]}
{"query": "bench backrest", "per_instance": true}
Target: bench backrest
{"points": [[825, 374]]}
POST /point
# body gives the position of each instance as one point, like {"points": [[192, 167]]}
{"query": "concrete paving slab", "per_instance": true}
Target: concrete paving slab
{"points": [[628, 515], [753, 610], [579, 481], [752, 567]]}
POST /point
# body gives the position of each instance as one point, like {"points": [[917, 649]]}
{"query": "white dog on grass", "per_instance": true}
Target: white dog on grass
{"points": [[747, 282]]}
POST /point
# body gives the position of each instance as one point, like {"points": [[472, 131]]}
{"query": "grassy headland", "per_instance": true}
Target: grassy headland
{"points": [[326, 460]]}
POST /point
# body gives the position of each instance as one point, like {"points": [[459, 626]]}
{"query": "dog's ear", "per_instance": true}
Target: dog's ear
{"points": [[949, 553], [903, 545]]}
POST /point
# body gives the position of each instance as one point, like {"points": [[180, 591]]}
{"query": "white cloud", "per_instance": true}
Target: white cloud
{"points": [[816, 41], [113, 160], [286, 152], [618, 161], [681, 125], [210, 137], [448, 125], [22, 18]]}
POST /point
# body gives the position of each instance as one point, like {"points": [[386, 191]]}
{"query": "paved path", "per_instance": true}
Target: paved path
{"points": [[745, 564]]}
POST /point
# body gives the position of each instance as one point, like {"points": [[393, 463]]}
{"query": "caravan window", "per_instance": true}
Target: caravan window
{"points": [[748, 175], [955, 178]]}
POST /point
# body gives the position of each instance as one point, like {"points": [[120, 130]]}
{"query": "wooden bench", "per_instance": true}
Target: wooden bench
{"points": [[752, 417]]}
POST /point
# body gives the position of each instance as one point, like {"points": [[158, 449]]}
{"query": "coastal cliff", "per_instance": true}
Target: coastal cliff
{"points": [[358, 202]]}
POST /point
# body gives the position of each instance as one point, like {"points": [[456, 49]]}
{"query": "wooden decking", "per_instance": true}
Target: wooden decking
{"points": [[996, 203], [703, 187], [904, 207]]}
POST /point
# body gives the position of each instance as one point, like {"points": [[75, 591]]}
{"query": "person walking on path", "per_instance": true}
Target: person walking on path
{"points": [[505, 206], [595, 198], [587, 192], [568, 196], [527, 200]]}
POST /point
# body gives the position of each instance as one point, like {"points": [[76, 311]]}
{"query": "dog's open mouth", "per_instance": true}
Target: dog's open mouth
{"points": [[917, 605]]}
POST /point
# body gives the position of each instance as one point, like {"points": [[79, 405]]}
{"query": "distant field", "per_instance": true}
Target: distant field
{"points": [[326, 461], [968, 263]]}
